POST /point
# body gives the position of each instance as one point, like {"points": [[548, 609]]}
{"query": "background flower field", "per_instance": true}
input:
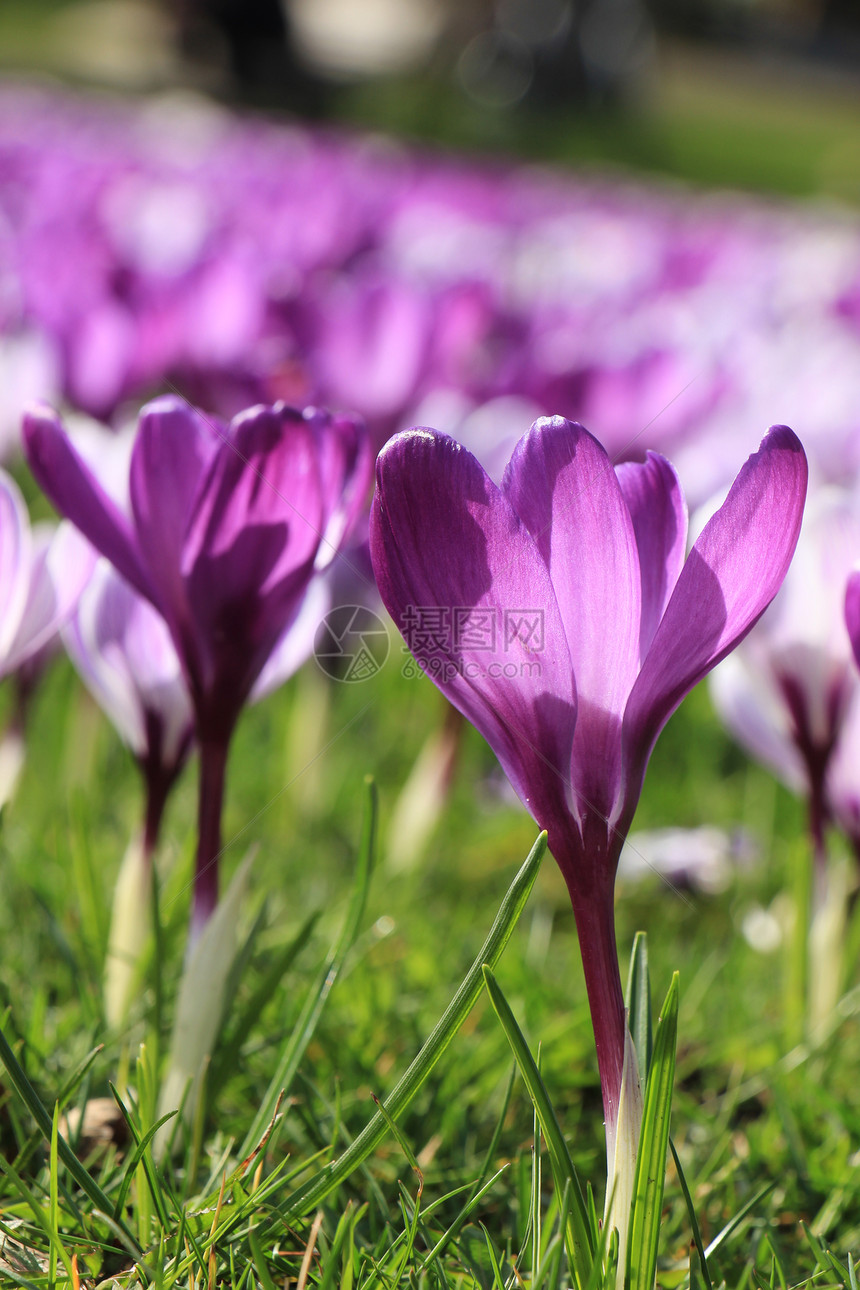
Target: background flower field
{"points": [[171, 245]]}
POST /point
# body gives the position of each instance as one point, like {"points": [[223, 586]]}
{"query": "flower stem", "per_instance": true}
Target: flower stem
{"points": [[213, 766], [595, 922], [157, 789]]}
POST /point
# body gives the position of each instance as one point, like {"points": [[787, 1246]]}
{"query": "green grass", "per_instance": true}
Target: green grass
{"points": [[757, 1117]]}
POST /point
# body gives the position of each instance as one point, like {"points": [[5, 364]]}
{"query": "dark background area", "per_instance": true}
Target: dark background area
{"points": [[761, 94]]}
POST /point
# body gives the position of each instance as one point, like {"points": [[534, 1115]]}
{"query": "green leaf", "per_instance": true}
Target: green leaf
{"points": [[579, 1240], [33, 1102], [498, 1279], [638, 1001], [243, 1022], [306, 1024], [200, 1006], [738, 1218], [651, 1158], [326, 1180], [703, 1276]]}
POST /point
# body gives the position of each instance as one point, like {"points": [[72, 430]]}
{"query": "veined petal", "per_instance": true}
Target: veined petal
{"points": [[266, 476], [92, 638], [123, 652], [346, 469], [251, 546], [659, 513], [561, 484], [297, 640], [467, 587], [61, 564], [72, 487], [174, 447], [733, 572]]}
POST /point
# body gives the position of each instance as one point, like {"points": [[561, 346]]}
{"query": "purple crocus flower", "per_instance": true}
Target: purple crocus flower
{"points": [[42, 572], [124, 654], [228, 527], [558, 614], [787, 692]]}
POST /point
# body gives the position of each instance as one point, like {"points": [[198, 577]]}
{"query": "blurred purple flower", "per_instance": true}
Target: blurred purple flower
{"points": [[228, 527], [786, 692], [42, 572], [124, 654], [557, 613], [852, 612], [843, 775], [843, 780]]}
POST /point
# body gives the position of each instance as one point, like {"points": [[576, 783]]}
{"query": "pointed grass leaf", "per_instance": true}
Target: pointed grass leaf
{"points": [[699, 1261], [141, 1144], [141, 1157], [653, 1143], [638, 1001], [309, 1195], [498, 1279], [35, 1106], [579, 1237], [261, 1266], [306, 1023], [342, 1250], [244, 1021], [735, 1222], [452, 1231], [699, 1278]]}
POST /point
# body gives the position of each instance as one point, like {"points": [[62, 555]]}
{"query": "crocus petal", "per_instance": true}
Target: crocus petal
{"points": [[77, 494], [92, 639], [346, 469], [297, 641], [659, 513], [852, 612], [733, 572], [468, 589], [754, 712], [266, 475], [175, 445], [251, 545], [561, 484], [123, 652], [15, 562], [61, 565]]}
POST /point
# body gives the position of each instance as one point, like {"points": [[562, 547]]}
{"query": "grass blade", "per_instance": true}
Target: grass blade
{"points": [[736, 1221], [638, 999], [578, 1235], [306, 1024], [651, 1158], [323, 1183], [35, 1106], [703, 1274], [243, 1022]]}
